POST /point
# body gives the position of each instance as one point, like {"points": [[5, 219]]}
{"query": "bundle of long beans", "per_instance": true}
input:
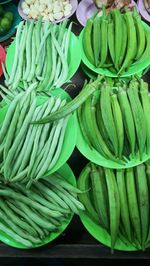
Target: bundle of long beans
{"points": [[41, 54], [28, 151], [29, 216]]}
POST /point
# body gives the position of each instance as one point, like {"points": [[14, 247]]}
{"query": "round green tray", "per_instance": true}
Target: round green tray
{"points": [[67, 173], [74, 56], [95, 157], [71, 130], [101, 235], [133, 69]]}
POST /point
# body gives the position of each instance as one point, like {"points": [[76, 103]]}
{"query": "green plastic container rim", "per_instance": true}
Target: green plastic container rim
{"points": [[67, 173], [133, 69]]}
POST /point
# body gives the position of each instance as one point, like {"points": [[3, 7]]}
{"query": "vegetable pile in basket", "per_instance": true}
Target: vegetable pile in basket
{"points": [[29, 216], [28, 151], [118, 201], [116, 41], [115, 120], [41, 54]]}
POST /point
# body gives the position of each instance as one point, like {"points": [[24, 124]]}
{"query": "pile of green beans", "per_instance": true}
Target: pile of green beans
{"points": [[116, 40], [27, 151], [118, 201], [29, 216], [115, 120], [41, 54]]}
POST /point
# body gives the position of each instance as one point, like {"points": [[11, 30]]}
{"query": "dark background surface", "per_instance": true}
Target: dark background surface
{"points": [[75, 245]]}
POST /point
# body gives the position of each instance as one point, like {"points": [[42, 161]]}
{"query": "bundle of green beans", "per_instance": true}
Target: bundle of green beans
{"points": [[29, 216], [116, 41], [28, 151], [115, 120], [41, 54], [118, 201]]}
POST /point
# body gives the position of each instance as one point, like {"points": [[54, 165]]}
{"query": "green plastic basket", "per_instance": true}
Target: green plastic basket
{"points": [[133, 69], [67, 173]]}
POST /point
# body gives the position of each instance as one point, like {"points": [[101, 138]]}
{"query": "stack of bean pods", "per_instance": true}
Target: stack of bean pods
{"points": [[115, 120], [27, 151], [119, 201], [29, 216], [42, 57], [116, 41]]}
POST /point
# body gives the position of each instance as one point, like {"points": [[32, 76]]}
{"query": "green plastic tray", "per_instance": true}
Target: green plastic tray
{"points": [[74, 56], [95, 157], [65, 171], [71, 130], [133, 69]]}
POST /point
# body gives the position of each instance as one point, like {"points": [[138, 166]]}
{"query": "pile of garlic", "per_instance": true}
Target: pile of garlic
{"points": [[49, 9]]}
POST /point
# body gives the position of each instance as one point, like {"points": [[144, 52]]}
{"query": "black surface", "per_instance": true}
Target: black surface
{"points": [[75, 242]]}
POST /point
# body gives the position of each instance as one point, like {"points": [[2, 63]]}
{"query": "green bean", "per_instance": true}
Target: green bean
{"points": [[51, 150], [64, 74], [15, 236], [7, 168], [65, 198], [45, 36], [54, 61], [19, 70], [20, 176], [8, 117], [24, 214], [60, 144], [8, 220], [33, 54], [36, 218], [49, 194], [58, 103], [46, 128], [28, 48], [61, 40], [57, 179], [21, 198], [16, 57], [15, 219], [29, 141], [11, 132]]}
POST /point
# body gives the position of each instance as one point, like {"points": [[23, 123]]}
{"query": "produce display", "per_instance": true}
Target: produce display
{"points": [[52, 10], [28, 151], [115, 121], [116, 41], [118, 201], [6, 20], [29, 216], [42, 46], [108, 121]]}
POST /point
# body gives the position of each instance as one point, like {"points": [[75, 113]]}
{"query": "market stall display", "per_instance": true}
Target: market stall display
{"points": [[107, 120]]}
